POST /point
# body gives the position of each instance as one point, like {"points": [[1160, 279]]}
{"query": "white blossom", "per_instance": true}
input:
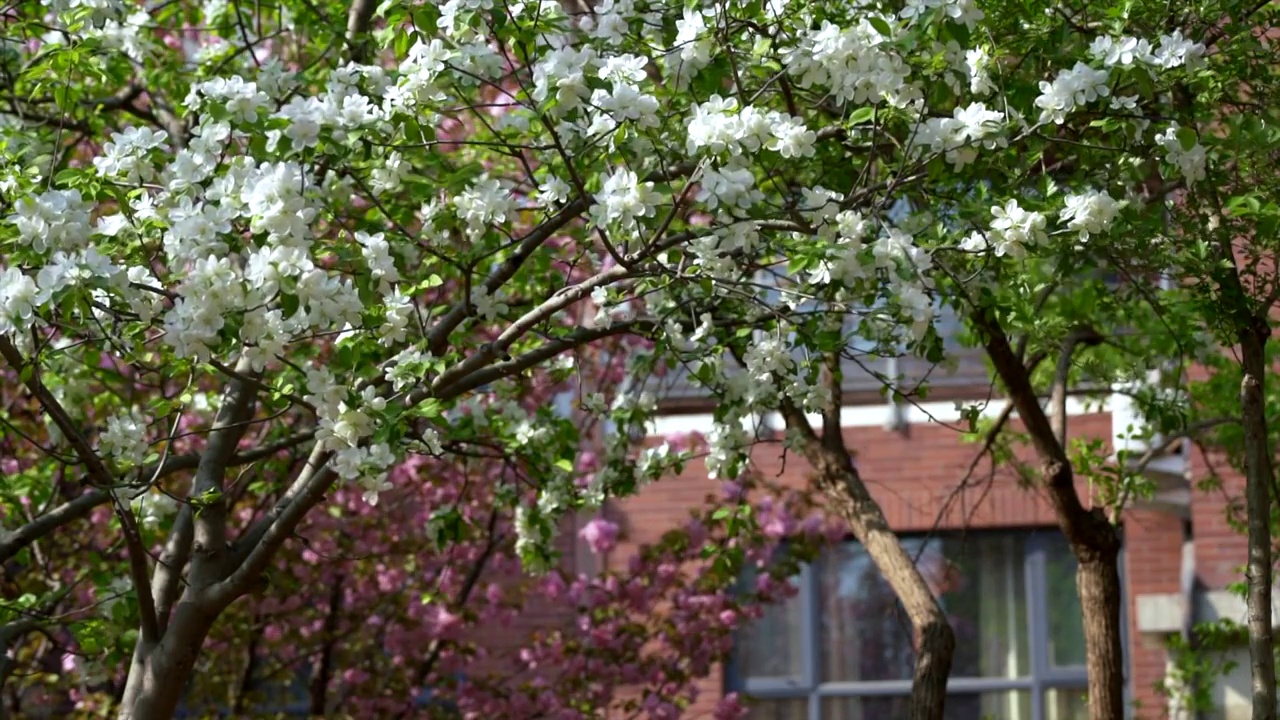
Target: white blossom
{"points": [[1089, 213], [125, 437], [53, 220], [1069, 90], [1013, 229]]}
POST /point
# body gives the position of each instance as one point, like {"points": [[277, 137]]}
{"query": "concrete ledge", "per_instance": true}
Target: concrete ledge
{"points": [[1160, 613], [1224, 605]]}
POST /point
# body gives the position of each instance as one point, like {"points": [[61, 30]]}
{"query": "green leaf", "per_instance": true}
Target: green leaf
{"points": [[1187, 138], [862, 115]]}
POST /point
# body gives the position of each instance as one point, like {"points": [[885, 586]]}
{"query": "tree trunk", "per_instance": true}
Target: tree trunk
{"points": [[1098, 582], [1258, 478], [1093, 539], [159, 674], [935, 641]]}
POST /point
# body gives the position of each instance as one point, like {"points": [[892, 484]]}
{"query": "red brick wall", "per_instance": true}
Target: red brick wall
{"points": [[1152, 565], [916, 477]]}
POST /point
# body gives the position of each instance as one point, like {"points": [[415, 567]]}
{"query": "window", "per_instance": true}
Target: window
{"points": [[842, 648]]}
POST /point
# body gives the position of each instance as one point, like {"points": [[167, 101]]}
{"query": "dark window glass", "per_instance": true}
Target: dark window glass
{"points": [[843, 648]]}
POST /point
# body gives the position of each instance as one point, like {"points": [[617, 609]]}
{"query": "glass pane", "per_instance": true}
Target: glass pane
{"points": [[985, 706], [1066, 629], [771, 647], [1062, 704], [980, 582], [865, 634], [778, 710]]}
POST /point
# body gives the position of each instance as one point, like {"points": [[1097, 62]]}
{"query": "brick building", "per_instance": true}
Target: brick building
{"points": [[841, 649]]}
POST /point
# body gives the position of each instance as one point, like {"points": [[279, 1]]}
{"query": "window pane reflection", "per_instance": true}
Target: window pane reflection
{"points": [[1066, 629], [983, 706], [1061, 704], [771, 646], [980, 582], [778, 710]]}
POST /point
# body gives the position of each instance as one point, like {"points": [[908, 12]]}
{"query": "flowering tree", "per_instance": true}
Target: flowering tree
{"points": [[343, 238]]}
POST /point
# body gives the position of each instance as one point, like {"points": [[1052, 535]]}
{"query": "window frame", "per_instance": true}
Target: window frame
{"points": [[1042, 676]]}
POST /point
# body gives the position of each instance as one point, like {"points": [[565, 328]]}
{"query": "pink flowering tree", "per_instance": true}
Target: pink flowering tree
{"points": [[309, 308]]}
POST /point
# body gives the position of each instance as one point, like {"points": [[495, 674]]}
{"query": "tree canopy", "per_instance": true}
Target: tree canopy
{"points": [[267, 265]]}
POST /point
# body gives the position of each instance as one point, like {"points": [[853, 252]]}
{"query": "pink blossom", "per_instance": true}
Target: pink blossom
{"points": [[600, 535], [729, 708]]}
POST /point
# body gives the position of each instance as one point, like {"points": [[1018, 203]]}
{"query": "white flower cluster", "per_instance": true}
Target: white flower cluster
{"points": [[1090, 213], [766, 357], [1174, 50], [341, 107], [82, 268], [562, 74], [213, 287], [125, 156], [1013, 229], [726, 444], [277, 203], [400, 310], [960, 135], [54, 219], [731, 186], [406, 368], [367, 466], [234, 95], [623, 198], [125, 438], [533, 539], [1071, 89], [844, 264], [851, 261], [693, 47], [100, 11], [978, 67], [964, 12], [1189, 161], [854, 63], [624, 101], [344, 430], [129, 35], [719, 126], [153, 508], [377, 253], [486, 202], [18, 295], [607, 315], [713, 252], [488, 305]]}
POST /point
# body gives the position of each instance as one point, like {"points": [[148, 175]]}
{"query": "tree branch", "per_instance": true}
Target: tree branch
{"points": [[832, 436], [149, 624], [558, 301], [207, 496], [438, 338], [11, 543], [519, 364], [358, 19], [98, 470], [260, 543], [166, 579], [1058, 473], [1082, 336]]}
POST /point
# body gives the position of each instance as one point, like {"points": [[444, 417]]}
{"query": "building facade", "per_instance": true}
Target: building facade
{"points": [[840, 650]]}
